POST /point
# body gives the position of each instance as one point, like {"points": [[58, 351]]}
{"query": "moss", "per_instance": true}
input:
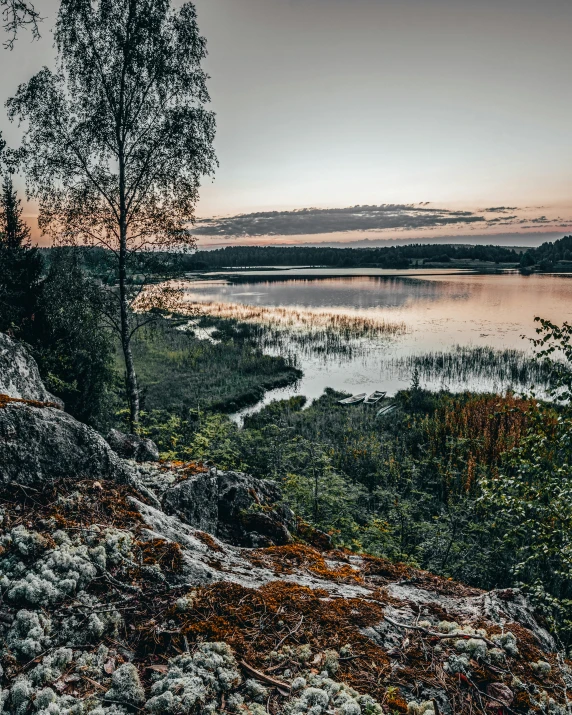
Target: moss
{"points": [[5, 400], [293, 557]]}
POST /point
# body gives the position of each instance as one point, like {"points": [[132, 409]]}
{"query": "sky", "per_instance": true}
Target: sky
{"points": [[454, 105]]}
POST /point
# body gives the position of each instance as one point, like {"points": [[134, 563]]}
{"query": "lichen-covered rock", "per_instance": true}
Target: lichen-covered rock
{"points": [[131, 446], [39, 446], [250, 511], [19, 374], [195, 501]]}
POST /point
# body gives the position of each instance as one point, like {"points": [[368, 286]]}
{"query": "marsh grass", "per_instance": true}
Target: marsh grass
{"points": [[224, 371], [466, 365], [305, 332]]}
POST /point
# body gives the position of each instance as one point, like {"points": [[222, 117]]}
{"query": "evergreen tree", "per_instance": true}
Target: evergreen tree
{"points": [[20, 267]]}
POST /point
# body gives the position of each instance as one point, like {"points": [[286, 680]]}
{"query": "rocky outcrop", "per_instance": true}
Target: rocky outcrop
{"points": [[41, 445], [19, 374], [131, 446], [235, 507], [194, 501]]}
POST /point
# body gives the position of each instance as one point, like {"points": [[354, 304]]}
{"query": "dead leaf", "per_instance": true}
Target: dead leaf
{"points": [[501, 693], [158, 668], [109, 666]]}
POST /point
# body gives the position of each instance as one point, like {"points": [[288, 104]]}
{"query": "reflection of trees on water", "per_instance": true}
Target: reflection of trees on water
{"points": [[357, 292]]}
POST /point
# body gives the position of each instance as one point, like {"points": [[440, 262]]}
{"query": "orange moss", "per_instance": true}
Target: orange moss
{"points": [[257, 621], [166, 554], [208, 541], [293, 557], [5, 400], [374, 566]]}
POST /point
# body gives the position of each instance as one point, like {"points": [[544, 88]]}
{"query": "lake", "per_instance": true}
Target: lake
{"points": [[462, 330]]}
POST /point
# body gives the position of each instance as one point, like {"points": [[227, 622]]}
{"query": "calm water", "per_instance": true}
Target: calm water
{"points": [[439, 310]]}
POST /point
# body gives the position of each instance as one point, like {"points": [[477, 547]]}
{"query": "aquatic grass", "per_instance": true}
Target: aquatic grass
{"points": [[347, 324], [291, 331], [465, 364]]}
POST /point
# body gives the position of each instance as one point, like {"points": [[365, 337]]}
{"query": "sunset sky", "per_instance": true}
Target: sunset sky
{"points": [[464, 104]]}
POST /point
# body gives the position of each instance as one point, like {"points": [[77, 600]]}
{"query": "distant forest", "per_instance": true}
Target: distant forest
{"points": [[548, 254], [96, 261], [99, 261]]}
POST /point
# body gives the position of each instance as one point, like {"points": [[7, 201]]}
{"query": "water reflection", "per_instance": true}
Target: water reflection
{"points": [[440, 313]]}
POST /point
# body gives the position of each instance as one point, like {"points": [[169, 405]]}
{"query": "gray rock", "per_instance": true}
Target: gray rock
{"points": [[250, 512], [41, 445], [236, 507], [131, 446], [19, 374], [195, 501]]}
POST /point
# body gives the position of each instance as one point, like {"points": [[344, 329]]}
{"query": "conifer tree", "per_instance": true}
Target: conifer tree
{"points": [[20, 266]]}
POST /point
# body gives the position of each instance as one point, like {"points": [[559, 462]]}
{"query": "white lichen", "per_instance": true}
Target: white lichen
{"points": [[425, 708], [126, 686], [198, 678], [323, 695]]}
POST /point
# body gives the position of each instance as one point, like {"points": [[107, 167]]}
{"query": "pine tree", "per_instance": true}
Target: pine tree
{"points": [[20, 267], [14, 232]]}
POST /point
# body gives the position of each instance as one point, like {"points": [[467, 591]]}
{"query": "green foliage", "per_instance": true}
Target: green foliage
{"points": [[554, 349], [183, 369], [73, 347], [530, 503], [20, 267]]}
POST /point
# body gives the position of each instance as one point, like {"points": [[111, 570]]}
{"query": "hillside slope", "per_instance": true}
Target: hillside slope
{"points": [[175, 588]]}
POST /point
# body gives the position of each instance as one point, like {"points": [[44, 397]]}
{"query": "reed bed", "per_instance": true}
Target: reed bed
{"points": [[302, 332], [465, 364], [346, 324]]}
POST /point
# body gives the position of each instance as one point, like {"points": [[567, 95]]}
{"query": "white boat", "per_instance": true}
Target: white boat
{"points": [[374, 397], [353, 400], [385, 410]]}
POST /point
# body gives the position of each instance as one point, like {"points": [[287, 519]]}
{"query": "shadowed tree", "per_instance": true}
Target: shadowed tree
{"points": [[119, 137], [20, 266]]}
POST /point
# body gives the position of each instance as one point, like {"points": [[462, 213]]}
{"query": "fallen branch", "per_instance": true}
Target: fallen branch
{"points": [[294, 630], [284, 688], [441, 636]]}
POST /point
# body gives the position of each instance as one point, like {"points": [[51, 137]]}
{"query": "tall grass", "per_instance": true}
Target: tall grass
{"points": [[302, 331], [504, 369]]}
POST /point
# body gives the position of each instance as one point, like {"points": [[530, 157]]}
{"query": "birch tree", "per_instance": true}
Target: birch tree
{"points": [[119, 136]]}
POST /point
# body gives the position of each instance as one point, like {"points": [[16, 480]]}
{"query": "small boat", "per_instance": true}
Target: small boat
{"points": [[374, 397], [385, 410], [353, 400]]}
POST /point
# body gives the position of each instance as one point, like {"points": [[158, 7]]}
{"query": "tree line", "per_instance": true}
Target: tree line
{"points": [[97, 261], [548, 254]]}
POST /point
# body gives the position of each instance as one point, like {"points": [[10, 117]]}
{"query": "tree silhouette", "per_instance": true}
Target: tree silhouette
{"points": [[119, 138], [20, 266], [17, 14], [15, 233]]}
